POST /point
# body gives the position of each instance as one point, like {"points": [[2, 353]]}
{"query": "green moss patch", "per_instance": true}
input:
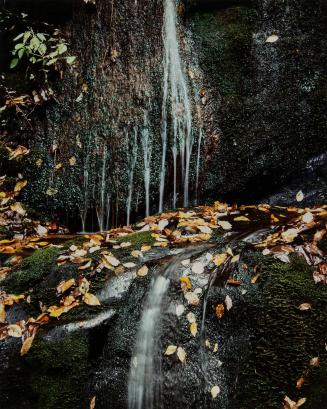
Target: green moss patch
{"points": [[284, 338]]}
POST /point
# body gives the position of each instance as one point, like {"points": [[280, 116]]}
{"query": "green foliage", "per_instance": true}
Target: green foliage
{"points": [[40, 48]]}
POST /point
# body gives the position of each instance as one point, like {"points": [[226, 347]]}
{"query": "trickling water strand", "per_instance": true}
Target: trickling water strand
{"points": [[198, 164], [131, 177], [101, 208], [175, 96], [144, 385], [147, 151]]}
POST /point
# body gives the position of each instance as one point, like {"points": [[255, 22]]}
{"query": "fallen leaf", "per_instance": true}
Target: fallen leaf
{"points": [[145, 248], [72, 161], [307, 217], [290, 234], [92, 403], [2, 313], [181, 354], [228, 302], [91, 299], [171, 349], [143, 271], [225, 225], [112, 260], [65, 285], [26, 345], [215, 390], [180, 310], [235, 259], [255, 278], [304, 307], [272, 39], [219, 259], [194, 329], [14, 331], [20, 185], [241, 219], [129, 265], [315, 361], [299, 383], [191, 317], [299, 196], [192, 298], [185, 283], [220, 310], [233, 282]]}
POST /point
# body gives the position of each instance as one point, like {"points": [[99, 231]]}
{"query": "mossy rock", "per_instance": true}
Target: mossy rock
{"points": [[137, 239], [32, 270], [284, 339], [58, 372]]}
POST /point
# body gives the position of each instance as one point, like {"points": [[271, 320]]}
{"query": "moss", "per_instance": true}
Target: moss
{"points": [[58, 371], [138, 239], [284, 338], [33, 270]]}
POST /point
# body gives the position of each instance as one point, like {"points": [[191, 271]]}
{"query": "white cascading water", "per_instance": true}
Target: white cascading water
{"points": [[147, 152], [101, 208], [175, 99], [132, 159], [198, 164], [144, 379]]}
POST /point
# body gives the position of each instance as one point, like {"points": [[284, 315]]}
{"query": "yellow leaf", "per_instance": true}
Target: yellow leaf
{"points": [[171, 349], [255, 278], [185, 283], [39, 162], [19, 185], [145, 247], [299, 196], [91, 299], [65, 285], [18, 208], [26, 345], [143, 271], [290, 234], [58, 166], [2, 313], [72, 161], [194, 329], [111, 259], [215, 390], [136, 253], [191, 317], [14, 331], [235, 259], [300, 402], [219, 259], [241, 219], [181, 354]]}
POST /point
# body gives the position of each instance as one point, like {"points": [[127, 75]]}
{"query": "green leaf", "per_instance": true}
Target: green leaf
{"points": [[19, 46], [42, 49], [21, 53], [14, 62], [19, 37], [26, 35], [41, 36], [70, 60], [62, 48]]}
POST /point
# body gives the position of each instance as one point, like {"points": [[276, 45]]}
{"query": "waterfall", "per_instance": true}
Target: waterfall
{"points": [[198, 164], [144, 382], [176, 106], [133, 158], [147, 152], [101, 208]]}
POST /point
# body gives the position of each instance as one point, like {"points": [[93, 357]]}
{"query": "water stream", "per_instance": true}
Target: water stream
{"points": [[176, 108]]}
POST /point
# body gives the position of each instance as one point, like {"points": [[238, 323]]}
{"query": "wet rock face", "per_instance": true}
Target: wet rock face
{"points": [[272, 93], [255, 76]]}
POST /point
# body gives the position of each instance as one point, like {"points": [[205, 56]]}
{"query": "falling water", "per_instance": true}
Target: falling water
{"points": [[198, 164], [133, 159], [101, 208], [175, 98], [144, 386], [147, 151], [144, 383]]}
